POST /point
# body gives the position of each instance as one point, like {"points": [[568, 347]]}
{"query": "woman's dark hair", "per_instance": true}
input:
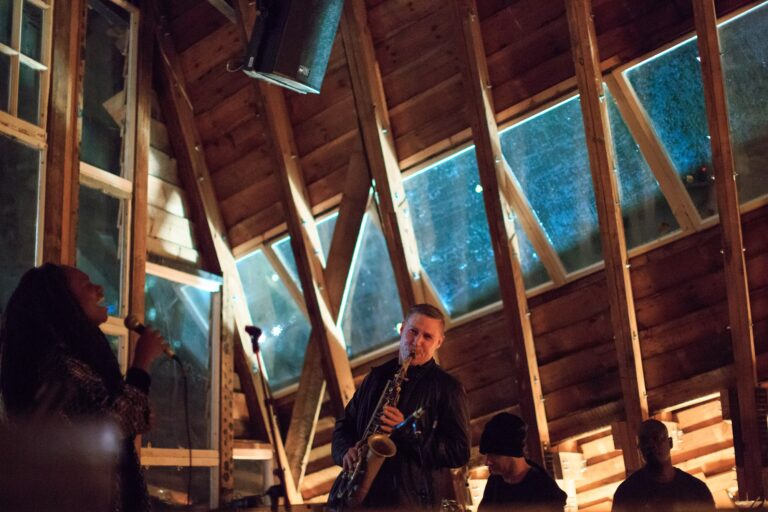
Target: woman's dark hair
{"points": [[42, 314]]}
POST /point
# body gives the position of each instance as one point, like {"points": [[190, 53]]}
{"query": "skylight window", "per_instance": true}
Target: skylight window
{"points": [[548, 156], [670, 89], [452, 233]]}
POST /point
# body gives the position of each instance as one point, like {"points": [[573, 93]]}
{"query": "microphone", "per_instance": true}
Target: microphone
{"points": [[254, 332], [132, 324]]}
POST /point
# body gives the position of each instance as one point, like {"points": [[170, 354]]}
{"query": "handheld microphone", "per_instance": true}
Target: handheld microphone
{"points": [[132, 324]]}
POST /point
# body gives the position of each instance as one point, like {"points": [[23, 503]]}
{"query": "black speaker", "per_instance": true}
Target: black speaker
{"points": [[291, 42]]}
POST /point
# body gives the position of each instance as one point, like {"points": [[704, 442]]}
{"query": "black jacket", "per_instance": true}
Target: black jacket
{"points": [[416, 475]]}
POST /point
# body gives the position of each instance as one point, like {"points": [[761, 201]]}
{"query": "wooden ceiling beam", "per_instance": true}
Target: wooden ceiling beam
{"points": [[373, 119], [599, 146], [187, 141], [492, 170], [735, 272]]}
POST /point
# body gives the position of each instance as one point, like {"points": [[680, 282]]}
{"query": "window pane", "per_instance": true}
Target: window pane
{"points": [[745, 65], [5, 81], [555, 177], [99, 244], [182, 313], [284, 251], [32, 31], [19, 165], [6, 16], [29, 94], [644, 209], [286, 330], [372, 304], [451, 230], [670, 89], [325, 229], [168, 487], [106, 50]]}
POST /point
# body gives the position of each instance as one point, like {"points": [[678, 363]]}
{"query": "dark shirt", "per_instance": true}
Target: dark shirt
{"points": [[537, 491], [641, 492], [414, 476]]}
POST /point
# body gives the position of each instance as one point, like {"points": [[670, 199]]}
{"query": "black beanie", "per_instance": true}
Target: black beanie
{"points": [[504, 435]]}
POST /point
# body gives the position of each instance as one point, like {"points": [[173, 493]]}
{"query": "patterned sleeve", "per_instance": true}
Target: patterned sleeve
{"points": [[87, 396]]}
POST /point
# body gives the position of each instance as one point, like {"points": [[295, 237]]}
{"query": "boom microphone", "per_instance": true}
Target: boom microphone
{"points": [[132, 324]]}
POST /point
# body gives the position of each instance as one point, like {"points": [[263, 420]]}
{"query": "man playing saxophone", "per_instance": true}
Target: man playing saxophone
{"points": [[417, 476]]}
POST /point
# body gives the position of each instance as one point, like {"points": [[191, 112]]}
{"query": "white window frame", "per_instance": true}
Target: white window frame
{"points": [[179, 457]]}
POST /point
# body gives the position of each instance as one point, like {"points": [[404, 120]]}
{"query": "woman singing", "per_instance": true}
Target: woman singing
{"points": [[51, 346]]}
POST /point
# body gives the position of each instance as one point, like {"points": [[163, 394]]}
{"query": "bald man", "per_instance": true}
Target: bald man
{"points": [[659, 486]]}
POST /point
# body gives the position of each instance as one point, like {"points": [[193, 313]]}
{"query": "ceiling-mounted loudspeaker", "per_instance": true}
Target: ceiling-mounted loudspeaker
{"points": [[291, 42]]}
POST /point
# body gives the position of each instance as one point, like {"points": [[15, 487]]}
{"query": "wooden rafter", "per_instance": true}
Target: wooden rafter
{"points": [[62, 169], [492, 169], [187, 141], [379, 143], [737, 290], [599, 146]]}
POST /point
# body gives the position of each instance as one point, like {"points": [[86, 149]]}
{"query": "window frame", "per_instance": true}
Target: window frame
{"points": [[17, 58], [179, 457]]}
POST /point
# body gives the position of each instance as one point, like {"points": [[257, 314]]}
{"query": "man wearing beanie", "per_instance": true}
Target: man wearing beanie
{"points": [[515, 482]]}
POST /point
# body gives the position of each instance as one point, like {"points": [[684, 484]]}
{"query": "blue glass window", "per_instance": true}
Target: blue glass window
{"points": [[19, 181], [371, 309], [182, 313], [286, 329], [548, 155], [644, 208], [451, 231], [745, 66], [99, 244], [5, 81], [670, 88]]}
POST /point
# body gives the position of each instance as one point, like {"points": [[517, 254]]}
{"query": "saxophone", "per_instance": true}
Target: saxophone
{"points": [[353, 485]]}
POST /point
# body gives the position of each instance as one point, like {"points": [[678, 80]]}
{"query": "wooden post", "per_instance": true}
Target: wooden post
{"points": [[600, 149], [751, 485], [373, 119], [492, 169], [62, 171]]}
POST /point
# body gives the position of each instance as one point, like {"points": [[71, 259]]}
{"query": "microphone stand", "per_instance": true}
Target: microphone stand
{"points": [[279, 472]]}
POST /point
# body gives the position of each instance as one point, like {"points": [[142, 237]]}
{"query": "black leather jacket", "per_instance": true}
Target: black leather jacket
{"points": [[417, 475]]}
